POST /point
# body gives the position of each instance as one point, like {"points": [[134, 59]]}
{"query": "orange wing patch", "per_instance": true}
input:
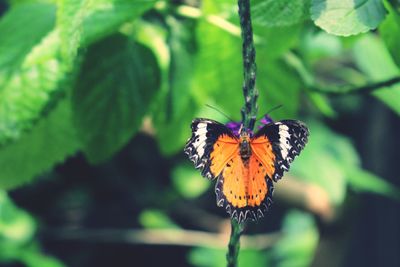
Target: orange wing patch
{"points": [[257, 186], [244, 185], [262, 150], [223, 150], [243, 189]]}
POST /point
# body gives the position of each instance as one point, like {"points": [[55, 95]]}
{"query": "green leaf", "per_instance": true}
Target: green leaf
{"points": [[276, 81], [29, 70], [107, 16], [390, 33], [115, 88], [31, 85], [347, 17], [365, 181], [335, 153], [273, 13], [318, 45], [70, 16], [299, 242], [172, 134], [218, 66], [16, 225], [189, 182], [13, 29], [181, 42], [156, 219], [274, 42], [176, 105], [47, 144], [17, 230], [35, 258], [373, 58]]}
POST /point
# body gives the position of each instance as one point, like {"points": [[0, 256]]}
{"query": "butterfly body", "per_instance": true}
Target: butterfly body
{"points": [[245, 150], [245, 164]]}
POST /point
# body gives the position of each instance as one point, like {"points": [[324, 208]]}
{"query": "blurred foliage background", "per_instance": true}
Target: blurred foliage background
{"points": [[96, 99]]}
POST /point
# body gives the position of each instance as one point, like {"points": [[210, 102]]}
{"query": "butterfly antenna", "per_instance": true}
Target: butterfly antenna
{"points": [[272, 109], [214, 108]]}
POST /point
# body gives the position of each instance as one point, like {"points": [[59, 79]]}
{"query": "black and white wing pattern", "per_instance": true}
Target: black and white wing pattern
{"points": [[288, 138], [205, 133]]}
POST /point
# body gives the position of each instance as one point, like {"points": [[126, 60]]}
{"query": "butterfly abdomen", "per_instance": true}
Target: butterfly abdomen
{"points": [[245, 150]]}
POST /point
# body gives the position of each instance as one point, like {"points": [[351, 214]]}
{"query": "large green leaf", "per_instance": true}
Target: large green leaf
{"points": [[347, 17], [373, 58], [390, 32], [35, 152], [274, 42], [176, 105], [105, 17], [21, 28], [42, 61], [28, 70], [115, 88], [182, 46], [70, 16], [218, 66], [279, 12]]}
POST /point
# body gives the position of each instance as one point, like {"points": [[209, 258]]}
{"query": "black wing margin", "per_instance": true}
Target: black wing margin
{"points": [[288, 138], [205, 133]]}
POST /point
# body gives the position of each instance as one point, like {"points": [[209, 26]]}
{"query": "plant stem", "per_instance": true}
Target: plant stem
{"points": [[234, 243], [249, 110]]}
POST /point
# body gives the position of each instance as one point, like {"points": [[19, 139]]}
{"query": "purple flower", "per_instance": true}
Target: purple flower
{"points": [[236, 126], [265, 120]]}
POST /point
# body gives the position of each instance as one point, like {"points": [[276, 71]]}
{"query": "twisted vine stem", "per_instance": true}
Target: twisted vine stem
{"points": [[249, 110]]}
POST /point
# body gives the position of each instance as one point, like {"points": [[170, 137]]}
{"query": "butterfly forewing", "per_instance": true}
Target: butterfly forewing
{"points": [[288, 138], [211, 145]]}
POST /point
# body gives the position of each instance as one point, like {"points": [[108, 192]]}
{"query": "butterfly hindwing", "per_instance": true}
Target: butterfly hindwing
{"points": [[288, 138], [211, 145], [243, 190]]}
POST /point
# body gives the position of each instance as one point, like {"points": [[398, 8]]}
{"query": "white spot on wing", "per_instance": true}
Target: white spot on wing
{"points": [[201, 137], [284, 140], [200, 131]]}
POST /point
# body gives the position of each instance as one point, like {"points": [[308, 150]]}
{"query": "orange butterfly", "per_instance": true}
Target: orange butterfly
{"points": [[245, 164]]}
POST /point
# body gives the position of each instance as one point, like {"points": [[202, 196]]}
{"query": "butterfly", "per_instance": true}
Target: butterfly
{"points": [[245, 164]]}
